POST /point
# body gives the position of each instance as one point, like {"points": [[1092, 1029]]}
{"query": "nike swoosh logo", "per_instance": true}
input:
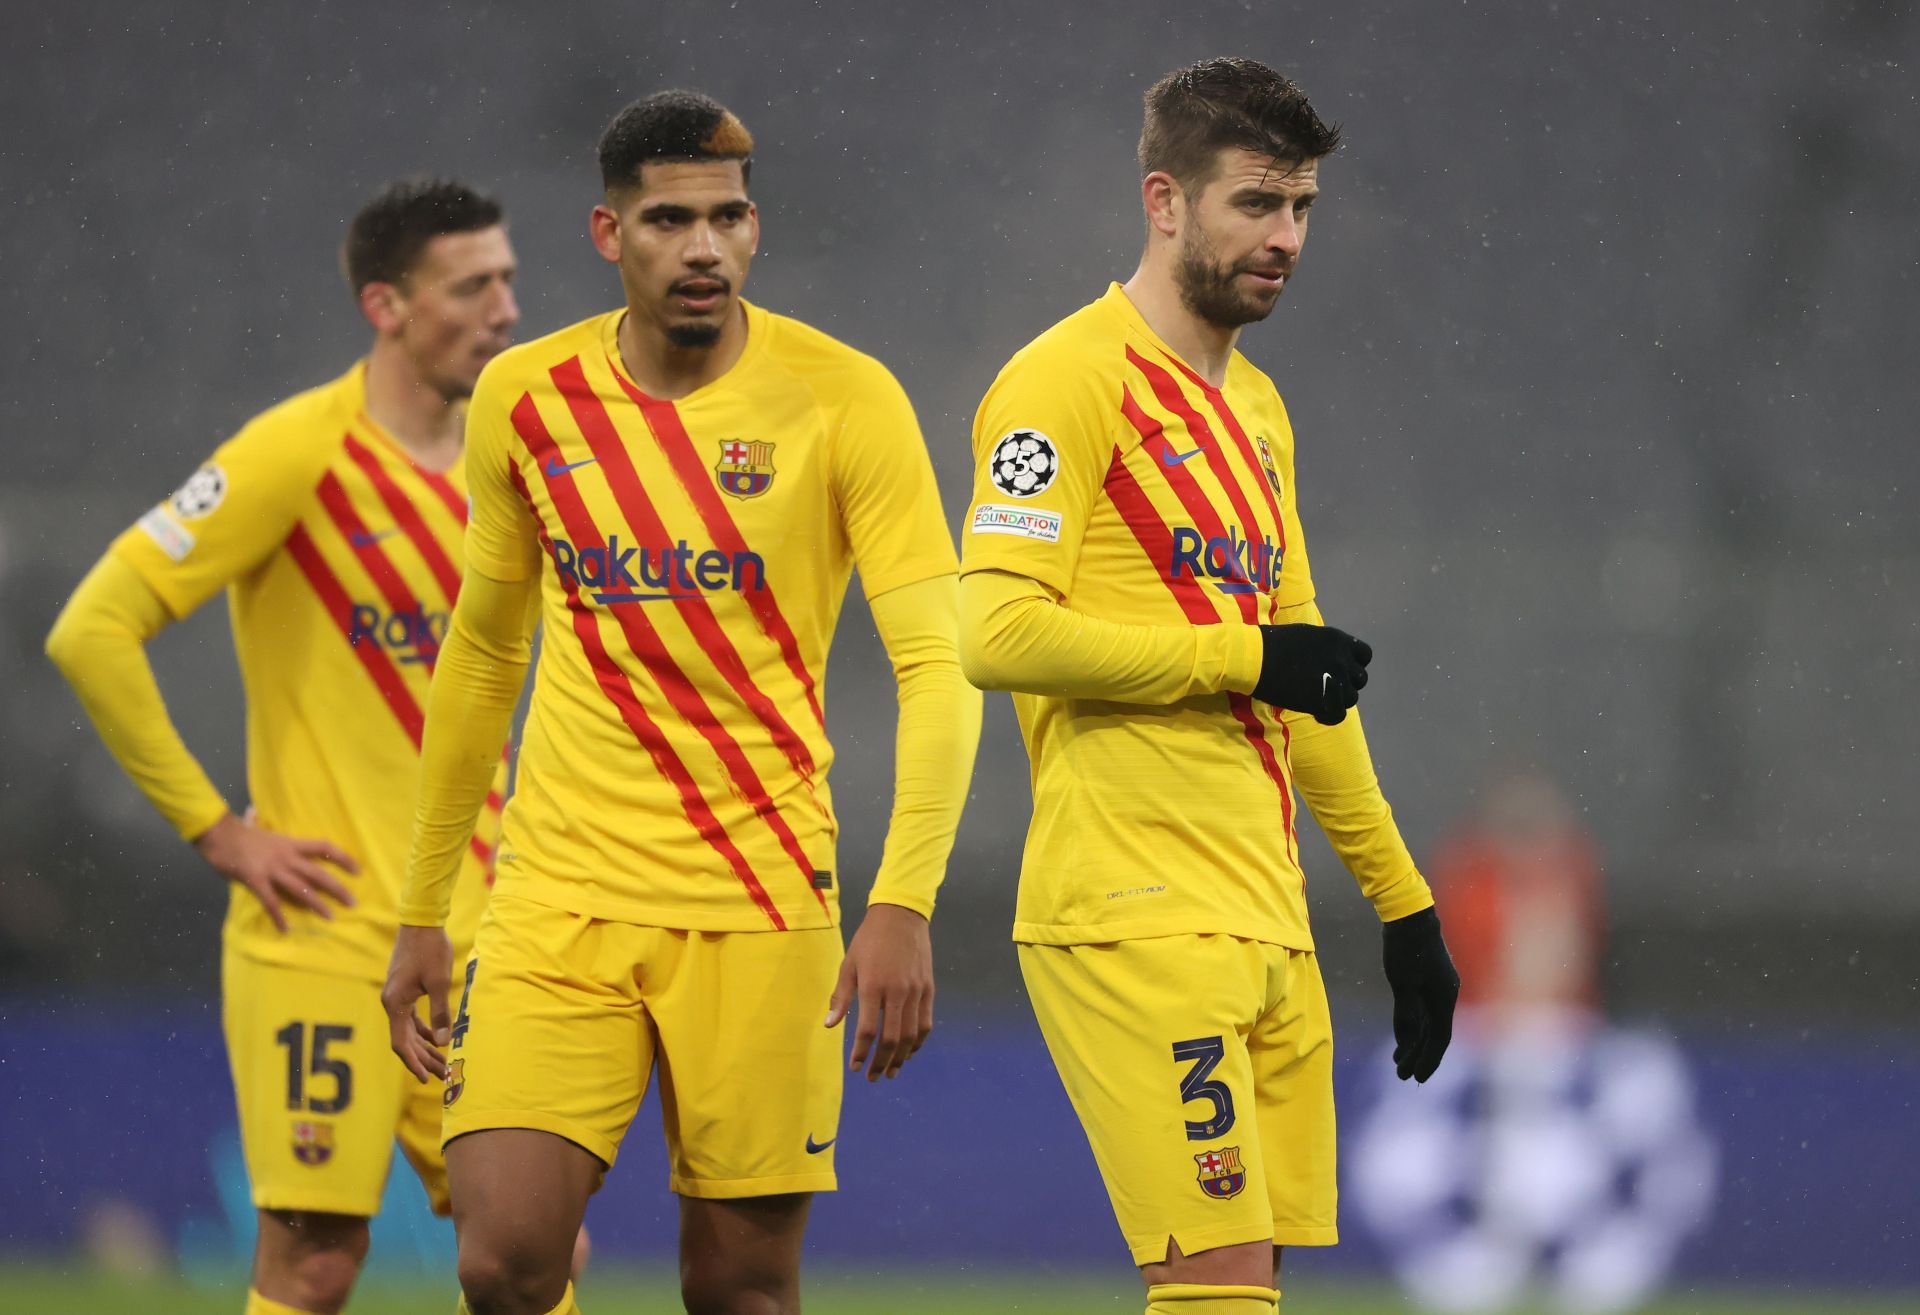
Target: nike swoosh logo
{"points": [[362, 539], [1326, 679], [1168, 457], [555, 468], [815, 1147]]}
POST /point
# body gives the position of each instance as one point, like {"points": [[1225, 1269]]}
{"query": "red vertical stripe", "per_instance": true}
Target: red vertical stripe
{"points": [[616, 466], [1167, 390], [612, 680], [696, 479], [386, 578], [373, 559], [1217, 400], [1187, 489], [1157, 540], [407, 517], [333, 596]]}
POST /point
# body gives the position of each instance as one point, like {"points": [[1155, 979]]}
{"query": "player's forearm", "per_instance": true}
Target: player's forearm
{"points": [[939, 730], [476, 682], [1333, 770], [1014, 635], [99, 644]]}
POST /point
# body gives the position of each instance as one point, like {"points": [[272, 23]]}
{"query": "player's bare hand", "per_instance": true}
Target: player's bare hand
{"points": [[422, 964], [889, 970], [279, 870]]}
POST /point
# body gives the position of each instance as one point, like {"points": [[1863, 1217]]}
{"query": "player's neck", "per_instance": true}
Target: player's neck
{"points": [[420, 418], [1204, 346], [669, 372]]}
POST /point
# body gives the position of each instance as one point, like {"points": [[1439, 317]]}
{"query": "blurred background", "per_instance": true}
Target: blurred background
{"points": [[1600, 362]]}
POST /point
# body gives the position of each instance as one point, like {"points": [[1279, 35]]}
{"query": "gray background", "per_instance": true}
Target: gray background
{"points": [[1600, 361]]}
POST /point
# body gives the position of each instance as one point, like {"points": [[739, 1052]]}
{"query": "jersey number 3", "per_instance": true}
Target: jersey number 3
{"points": [[1205, 1054]]}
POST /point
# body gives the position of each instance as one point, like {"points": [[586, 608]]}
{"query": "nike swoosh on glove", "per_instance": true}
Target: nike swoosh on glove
{"points": [[1312, 669]]}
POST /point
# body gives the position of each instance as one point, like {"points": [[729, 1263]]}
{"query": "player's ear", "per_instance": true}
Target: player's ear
{"points": [[603, 225], [382, 304], [1160, 195], [753, 218]]}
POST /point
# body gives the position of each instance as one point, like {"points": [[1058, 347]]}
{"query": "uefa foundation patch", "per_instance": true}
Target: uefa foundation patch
{"points": [[1023, 522]]}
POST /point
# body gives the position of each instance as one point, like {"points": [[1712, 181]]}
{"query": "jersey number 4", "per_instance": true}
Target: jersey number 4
{"points": [[1205, 1054], [303, 1064]]}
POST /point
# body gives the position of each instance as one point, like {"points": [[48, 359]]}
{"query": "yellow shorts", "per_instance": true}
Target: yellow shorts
{"points": [[563, 1016], [322, 1099], [1202, 1070]]}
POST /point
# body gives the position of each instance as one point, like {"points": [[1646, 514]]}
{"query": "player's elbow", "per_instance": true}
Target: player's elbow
{"points": [[986, 659], [66, 643]]}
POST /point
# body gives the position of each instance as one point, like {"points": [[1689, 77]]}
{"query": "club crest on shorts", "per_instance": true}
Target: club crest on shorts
{"points": [[456, 1083], [1266, 464], [744, 470], [312, 1142], [1221, 1176]]}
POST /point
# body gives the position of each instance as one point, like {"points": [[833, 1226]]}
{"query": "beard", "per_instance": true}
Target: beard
{"points": [[693, 334], [1207, 287]]}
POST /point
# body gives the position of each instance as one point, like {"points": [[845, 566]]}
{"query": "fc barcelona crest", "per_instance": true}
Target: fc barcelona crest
{"points": [[312, 1142], [745, 469], [1221, 1176], [1266, 464], [456, 1082]]}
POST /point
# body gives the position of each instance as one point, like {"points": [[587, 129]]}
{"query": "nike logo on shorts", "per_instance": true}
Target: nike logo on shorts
{"points": [[815, 1147]]}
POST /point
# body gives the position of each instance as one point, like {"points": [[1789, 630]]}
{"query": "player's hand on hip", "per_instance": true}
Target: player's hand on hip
{"points": [[889, 970], [1425, 986], [279, 870], [422, 964], [1313, 669]]}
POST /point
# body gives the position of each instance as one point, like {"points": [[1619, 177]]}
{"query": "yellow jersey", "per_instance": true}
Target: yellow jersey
{"points": [[693, 556], [1136, 492], [341, 558]]}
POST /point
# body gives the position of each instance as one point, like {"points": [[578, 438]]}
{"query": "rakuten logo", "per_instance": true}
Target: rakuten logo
{"points": [[635, 573], [1235, 565]]}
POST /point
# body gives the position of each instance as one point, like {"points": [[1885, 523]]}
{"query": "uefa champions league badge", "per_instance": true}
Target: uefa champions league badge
{"points": [[1221, 1176], [312, 1142], [1023, 463]]}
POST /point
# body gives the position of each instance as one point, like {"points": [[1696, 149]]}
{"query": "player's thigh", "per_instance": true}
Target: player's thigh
{"points": [[1149, 1040], [1292, 1055], [750, 1079], [319, 1092], [548, 1032]]}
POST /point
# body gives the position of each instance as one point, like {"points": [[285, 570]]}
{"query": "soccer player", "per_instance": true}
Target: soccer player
{"points": [[1134, 570], [333, 521], [679, 488]]}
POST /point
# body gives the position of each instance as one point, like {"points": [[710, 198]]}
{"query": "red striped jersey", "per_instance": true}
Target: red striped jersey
{"points": [[693, 556], [341, 558], [1112, 473]]}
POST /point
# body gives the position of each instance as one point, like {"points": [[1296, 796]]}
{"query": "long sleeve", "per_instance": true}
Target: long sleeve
{"points": [[476, 682], [939, 730], [1333, 771], [1016, 635], [99, 644]]}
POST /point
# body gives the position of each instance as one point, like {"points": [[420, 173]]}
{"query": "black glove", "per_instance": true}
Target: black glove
{"points": [[1314, 669], [1425, 985]]}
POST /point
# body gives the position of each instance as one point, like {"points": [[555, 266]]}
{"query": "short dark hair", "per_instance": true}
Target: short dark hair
{"points": [[385, 239], [1195, 112], [671, 125]]}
